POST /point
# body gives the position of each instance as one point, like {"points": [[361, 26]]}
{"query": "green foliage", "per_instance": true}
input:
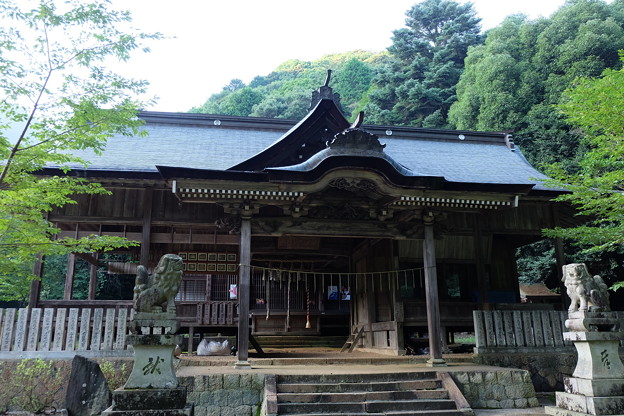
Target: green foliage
{"points": [[286, 92], [513, 80], [536, 263], [34, 384], [57, 97], [116, 373], [418, 86], [595, 106], [110, 286]]}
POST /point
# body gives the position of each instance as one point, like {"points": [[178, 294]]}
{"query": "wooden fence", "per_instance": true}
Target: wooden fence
{"points": [[58, 332], [503, 331], [519, 331]]}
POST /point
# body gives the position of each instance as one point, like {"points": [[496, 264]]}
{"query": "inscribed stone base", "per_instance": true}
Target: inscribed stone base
{"points": [[153, 365], [598, 356], [601, 387], [187, 411], [613, 405], [146, 399]]}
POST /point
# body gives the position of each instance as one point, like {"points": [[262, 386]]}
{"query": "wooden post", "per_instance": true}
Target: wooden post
{"points": [[93, 277], [69, 277], [559, 257], [147, 226], [243, 294], [431, 293], [478, 252], [35, 285]]}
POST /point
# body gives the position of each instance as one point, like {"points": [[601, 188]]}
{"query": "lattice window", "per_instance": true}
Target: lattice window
{"points": [[192, 290]]}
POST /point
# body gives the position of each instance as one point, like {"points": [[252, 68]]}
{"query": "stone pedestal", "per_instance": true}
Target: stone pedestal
{"points": [[152, 388], [597, 384]]}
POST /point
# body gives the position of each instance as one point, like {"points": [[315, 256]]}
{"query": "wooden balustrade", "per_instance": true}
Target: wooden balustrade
{"points": [[519, 331], [214, 313], [63, 331]]}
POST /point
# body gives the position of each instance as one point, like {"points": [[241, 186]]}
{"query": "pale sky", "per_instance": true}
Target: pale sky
{"points": [[212, 41]]}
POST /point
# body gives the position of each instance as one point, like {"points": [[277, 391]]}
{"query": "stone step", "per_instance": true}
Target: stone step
{"points": [[359, 396], [381, 406], [357, 378], [360, 386], [294, 341], [390, 412]]}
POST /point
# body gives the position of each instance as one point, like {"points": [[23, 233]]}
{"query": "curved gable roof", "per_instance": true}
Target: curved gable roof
{"points": [[304, 139]]}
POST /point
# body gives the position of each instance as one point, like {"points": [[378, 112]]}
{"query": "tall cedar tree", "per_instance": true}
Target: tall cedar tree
{"points": [[418, 87], [57, 97]]}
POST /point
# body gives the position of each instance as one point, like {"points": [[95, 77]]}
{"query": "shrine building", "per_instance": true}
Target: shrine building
{"points": [[321, 226]]}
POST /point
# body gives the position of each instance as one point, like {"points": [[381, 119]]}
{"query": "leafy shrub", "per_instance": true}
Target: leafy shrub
{"points": [[116, 374], [35, 383]]}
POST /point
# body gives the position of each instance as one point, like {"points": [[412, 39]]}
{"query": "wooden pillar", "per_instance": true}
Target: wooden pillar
{"points": [[431, 293], [478, 252], [93, 277], [35, 285], [69, 277], [147, 227], [243, 294], [559, 258]]}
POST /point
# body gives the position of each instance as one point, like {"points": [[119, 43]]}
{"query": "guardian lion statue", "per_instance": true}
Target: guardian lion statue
{"points": [[585, 292], [152, 292]]}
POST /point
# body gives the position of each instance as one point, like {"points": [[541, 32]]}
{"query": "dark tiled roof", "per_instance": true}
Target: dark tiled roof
{"points": [[536, 289], [194, 141]]}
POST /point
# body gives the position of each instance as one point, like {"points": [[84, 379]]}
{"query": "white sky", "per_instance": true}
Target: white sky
{"points": [[212, 41]]}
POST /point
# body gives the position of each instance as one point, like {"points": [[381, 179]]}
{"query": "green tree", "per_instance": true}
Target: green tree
{"points": [[595, 106], [352, 83], [428, 61], [513, 80], [57, 97]]}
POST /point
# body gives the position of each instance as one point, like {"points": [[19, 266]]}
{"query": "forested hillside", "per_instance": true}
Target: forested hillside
{"points": [[285, 92]]}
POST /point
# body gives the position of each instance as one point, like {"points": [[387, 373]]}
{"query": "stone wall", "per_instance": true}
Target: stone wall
{"points": [[496, 389], [547, 369], [225, 394]]}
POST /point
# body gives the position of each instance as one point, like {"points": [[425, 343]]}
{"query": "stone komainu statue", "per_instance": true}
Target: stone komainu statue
{"points": [[585, 292], [151, 292]]}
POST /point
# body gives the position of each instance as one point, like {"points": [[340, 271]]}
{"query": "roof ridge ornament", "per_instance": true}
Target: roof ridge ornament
{"points": [[357, 141], [358, 120], [325, 92]]}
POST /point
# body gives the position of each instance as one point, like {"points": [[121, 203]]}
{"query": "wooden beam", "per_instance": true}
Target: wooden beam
{"points": [[431, 295], [147, 226], [243, 294], [69, 276], [89, 258], [333, 228]]}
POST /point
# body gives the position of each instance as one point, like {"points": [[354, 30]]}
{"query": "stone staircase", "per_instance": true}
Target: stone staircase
{"points": [[418, 393]]}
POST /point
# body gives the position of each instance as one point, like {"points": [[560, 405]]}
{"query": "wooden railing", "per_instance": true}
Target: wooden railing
{"points": [[217, 313], [453, 313], [519, 331], [62, 331], [510, 331]]}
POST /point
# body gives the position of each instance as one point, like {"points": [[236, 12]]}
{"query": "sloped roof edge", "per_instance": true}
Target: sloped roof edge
{"points": [[324, 109]]}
